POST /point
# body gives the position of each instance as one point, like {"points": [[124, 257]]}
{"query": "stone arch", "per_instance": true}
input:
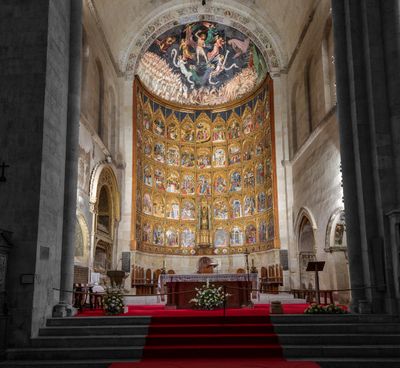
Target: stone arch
{"points": [[103, 174], [305, 232], [82, 240], [336, 245], [235, 14], [104, 200]]}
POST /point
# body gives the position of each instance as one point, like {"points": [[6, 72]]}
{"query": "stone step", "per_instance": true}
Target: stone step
{"points": [[337, 328], [65, 353], [99, 321], [356, 362], [339, 339], [333, 318], [93, 330], [92, 363], [294, 352], [88, 341]]}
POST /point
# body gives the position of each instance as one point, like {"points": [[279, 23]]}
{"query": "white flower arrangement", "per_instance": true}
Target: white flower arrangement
{"points": [[113, 302], [209, 297]]}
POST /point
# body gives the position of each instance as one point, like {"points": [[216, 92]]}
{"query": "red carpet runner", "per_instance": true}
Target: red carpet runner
{"points": [[205, 339]]}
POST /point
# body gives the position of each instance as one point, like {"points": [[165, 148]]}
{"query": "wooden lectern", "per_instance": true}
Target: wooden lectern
{"points": [[316, 266]]}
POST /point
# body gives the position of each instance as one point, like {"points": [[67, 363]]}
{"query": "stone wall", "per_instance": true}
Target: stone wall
{"points": [[33, 112]]}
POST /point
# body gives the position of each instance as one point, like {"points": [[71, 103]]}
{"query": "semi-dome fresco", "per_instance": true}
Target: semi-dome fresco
{"points": [[202, 63]]}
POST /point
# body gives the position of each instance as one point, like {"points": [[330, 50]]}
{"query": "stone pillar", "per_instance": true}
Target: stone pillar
{"points": [[369, 173], [5, 247], [71, 164]]}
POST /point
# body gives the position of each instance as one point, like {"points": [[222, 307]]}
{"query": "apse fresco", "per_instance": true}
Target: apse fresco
{"points": [[219, 160], [202, 63]]}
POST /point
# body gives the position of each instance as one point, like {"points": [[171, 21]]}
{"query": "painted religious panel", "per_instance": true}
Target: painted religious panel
{"points": [[188, 237], [204, 63], [172, 156], [188, 210], [234, 129], [236, 205], [220, 210], [235, 181], [248, 178], [172, 238], [219, 184], [172, 182], [173, 209], [247, 150], [221, 238], [188, 184], [147, 118], [158, 235], [259, 114], [159, 124], [249, 205], [203, 131], [218, 134], [204, 184], [261, 202], [147, 233], [159, 178], [269, 198], [219, 157], [203, 158], [172, 128], [187, 158], [159, 151], [251, 234], [147, 146], [234, 154], [262, 231], [259, 146], [158, 206], [248, 122], [270, 228], [147, 204], [236, 236], [187, 131], [147, 175], [260, 174]]}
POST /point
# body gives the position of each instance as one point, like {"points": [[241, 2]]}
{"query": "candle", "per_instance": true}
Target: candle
{"points": [[163, 264]]}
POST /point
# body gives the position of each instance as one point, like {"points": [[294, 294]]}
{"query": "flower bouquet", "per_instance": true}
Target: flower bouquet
{"points": [[209, 297], [113, 302], [315, 308]]}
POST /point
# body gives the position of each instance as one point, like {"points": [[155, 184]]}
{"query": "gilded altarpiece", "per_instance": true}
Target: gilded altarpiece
{"points": [[204, 179]]}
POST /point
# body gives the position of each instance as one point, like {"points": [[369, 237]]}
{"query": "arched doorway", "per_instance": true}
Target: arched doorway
{"points": [[104, 200], [306, 249]]}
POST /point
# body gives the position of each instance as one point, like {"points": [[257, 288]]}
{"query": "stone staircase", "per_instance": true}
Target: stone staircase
{"points": [[83, 342], [332, 341], [340, 341]]}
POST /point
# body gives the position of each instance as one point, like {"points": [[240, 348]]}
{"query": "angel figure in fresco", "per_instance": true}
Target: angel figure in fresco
{"points": [[211, 32], [201, 43], [239, 46], [218, 44]]}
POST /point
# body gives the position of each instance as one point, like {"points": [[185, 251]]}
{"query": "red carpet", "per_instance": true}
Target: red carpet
{"points": [[244, 338]]}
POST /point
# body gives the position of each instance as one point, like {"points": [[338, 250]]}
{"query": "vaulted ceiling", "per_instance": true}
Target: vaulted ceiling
{"points": [[129, 26]]}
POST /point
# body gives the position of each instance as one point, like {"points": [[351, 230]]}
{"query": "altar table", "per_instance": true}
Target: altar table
{"points": [[180, 289]]}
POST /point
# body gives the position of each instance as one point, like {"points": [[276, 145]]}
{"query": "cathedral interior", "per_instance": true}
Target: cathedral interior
{"points": [[145, 135]]}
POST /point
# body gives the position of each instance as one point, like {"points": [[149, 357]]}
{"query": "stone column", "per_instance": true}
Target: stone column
{"points": [[71, 164], [347, 155], [368, 147]]}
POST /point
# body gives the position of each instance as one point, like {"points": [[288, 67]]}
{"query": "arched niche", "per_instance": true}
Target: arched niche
{"points": [[81, 241], [105, 205], [305, 231]]}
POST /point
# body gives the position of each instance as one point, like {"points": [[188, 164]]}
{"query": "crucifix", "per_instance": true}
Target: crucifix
{"points": [[3, 167]]}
